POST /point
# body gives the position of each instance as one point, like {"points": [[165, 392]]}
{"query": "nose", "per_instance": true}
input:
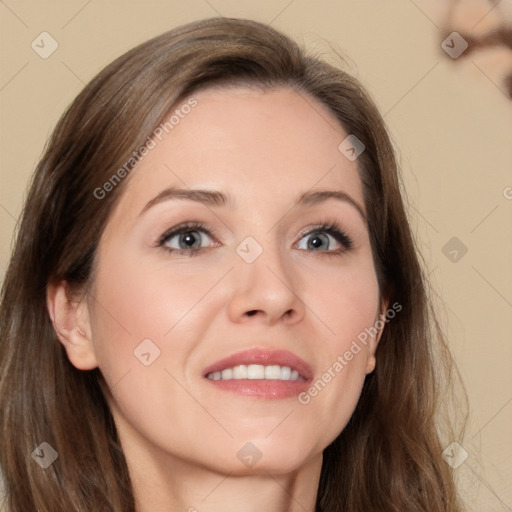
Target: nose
{"points": [[266, 289]]}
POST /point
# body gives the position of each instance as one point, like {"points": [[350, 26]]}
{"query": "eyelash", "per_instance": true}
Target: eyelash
{"points": [[330, 227]]}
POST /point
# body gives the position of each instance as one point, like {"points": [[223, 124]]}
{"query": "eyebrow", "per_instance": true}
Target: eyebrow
{"points": [[215, 198]]}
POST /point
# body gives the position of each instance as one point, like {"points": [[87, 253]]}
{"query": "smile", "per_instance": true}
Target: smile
{"points": [[256, 371], [267, 374]]}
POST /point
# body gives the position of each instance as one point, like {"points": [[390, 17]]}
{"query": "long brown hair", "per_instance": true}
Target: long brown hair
{"points": [[388, 458]]}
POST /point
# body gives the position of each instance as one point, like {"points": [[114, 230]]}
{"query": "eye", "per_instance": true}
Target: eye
{"points": [[192, 237], [322, 237], [186, 238]]}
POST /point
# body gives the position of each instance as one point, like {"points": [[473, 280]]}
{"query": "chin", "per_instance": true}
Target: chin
{"points": [[279, 455]]}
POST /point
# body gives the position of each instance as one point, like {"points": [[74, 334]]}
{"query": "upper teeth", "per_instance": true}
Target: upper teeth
{"points": [[256, 371]]}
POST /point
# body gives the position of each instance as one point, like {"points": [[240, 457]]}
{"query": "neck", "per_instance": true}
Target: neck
{"points": [[169, 484]]}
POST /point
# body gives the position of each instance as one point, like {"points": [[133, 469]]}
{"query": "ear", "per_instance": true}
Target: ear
{"points": [[379, 325], [70, 319]]}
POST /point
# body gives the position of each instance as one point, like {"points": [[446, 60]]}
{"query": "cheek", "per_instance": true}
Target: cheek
{"points": [[145, 324], [134, 303], [347, 305], [344, 300]]}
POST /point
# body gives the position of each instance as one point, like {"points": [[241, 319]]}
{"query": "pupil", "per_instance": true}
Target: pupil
{"points": [[188, 239], [316, 242]]}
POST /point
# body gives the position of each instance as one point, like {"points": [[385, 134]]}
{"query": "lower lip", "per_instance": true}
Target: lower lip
{"points": [[262, 388]]}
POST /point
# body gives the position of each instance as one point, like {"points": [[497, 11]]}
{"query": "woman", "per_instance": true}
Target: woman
{"points": [[215, 301]]}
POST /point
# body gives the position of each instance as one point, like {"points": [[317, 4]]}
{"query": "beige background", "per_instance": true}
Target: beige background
{"points": [[451, 122]]}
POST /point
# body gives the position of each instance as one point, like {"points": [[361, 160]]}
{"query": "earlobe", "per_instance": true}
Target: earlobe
{"points": [[380, 324], [70, 319], [370, 365]]}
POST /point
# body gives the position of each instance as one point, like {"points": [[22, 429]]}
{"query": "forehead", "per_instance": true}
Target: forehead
{"points": [[254, 145]]}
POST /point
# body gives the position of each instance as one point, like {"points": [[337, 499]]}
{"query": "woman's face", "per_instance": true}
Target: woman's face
{"points": [[259, 275]]}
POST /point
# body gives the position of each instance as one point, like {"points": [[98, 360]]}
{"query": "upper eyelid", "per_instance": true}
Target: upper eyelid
{"points": [[185, 228]]}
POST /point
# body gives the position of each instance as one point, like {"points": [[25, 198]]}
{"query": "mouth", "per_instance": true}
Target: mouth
{"points": [[266, 374], [256, 371]]}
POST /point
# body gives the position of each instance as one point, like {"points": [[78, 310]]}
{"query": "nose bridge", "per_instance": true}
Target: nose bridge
{"points": [[263, 280], [261, 254]]}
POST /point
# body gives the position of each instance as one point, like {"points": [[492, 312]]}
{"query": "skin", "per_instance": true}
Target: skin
{"points": [[180, 434]]}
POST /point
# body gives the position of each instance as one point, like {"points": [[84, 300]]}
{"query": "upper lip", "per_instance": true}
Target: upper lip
{"points": [[263, 357]]}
